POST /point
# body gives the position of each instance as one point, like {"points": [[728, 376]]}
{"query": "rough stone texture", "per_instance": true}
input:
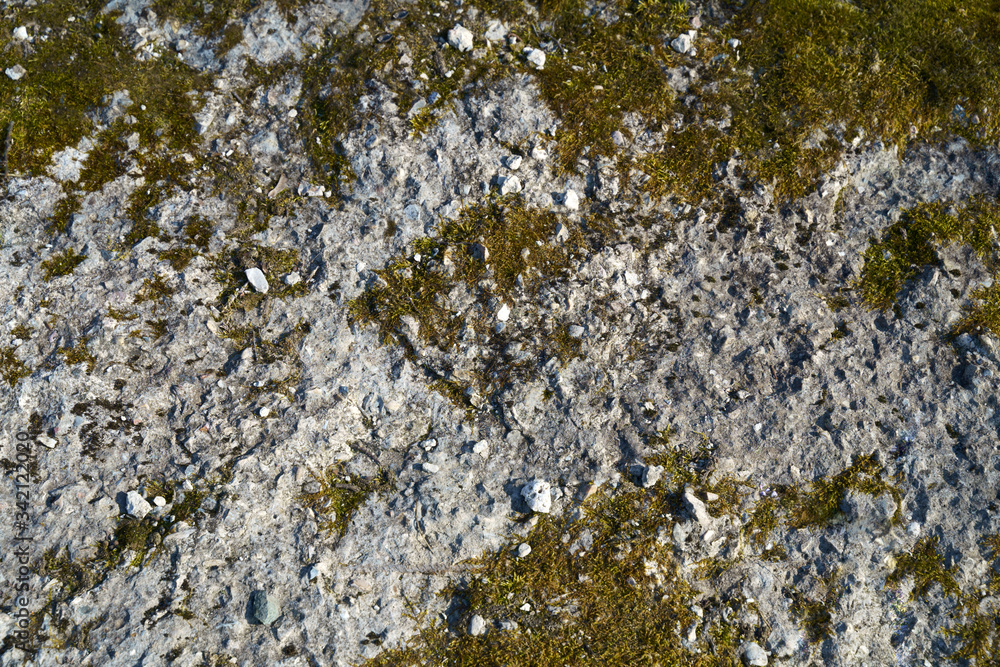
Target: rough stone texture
{"points": [[703, 325]]}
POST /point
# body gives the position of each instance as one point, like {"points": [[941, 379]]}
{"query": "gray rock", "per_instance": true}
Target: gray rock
{"points": [[15, 72], [263, 609], [477, 626], [650, 474], [537, 495], [256, 278], [571, 200], [509, 184], [136, 505], [754, 655], [460, 38]]}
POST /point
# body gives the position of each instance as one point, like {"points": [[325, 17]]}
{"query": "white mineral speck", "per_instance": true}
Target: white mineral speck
{"points": [[536, 57], [504, 313], [21, 33], [461, 38], [523, 550], [15, 72], [160, 501], [571, 200]]}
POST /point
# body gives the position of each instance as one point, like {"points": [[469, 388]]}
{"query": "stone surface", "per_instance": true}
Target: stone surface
{"points": [[536, 57], [477, 626], [460, 38]]}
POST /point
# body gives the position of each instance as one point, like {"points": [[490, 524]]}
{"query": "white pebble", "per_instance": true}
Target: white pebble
{"points": [[538, 496], [482, 448], [460, 38], [682, 44], [514, 162], [431, 468], [256, 278], [21, 33], [523, 550], [293, 113], [509, 184], [536, 57], [265, 411], [504, 313], [160, 501], [47, 441], [571, 200], [15, 72], [477, 625]]}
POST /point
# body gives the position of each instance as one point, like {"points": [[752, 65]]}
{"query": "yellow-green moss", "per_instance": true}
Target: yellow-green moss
{"points": [[12, 369], [340, 495], [62, 264], [79, 354]]}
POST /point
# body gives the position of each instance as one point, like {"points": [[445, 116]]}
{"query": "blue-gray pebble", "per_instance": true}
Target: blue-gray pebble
{"points": [[263, 608]]}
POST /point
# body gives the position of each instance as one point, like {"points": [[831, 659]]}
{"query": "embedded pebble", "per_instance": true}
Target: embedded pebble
{"points": [[293, 278], [263, 609], [460, 38], [504, 313], [495, 31], [536, 57], [523, 550], [477, 625], [265, 411], [47, 441], [136, 505], [509, 184], [754, 655], [15, 72], [571, 200], [537, 495], [256, 278], [514, 162], [21, 33], [431, 468], [682, 43], [482, 448], [651, 475], [160, 501]]}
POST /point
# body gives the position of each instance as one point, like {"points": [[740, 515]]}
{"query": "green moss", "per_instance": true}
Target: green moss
{"points": [[818, 504], [815, 615], [64, 210], [121, 315], [70, 73], [198, 231], [12, 369], [597, 590], [926, 567], [78, 354], [154, 290], [340, 495], [21, 332], [179, 258], [62, 264]]}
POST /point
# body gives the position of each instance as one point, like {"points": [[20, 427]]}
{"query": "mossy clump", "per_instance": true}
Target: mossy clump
{"points": [[73, 65], [912, 243], [154, 289], [597, 588], [500, 239], [12, 369], [229, 270], [62, 264], [340, 495], [79, 354], [926, 567]]}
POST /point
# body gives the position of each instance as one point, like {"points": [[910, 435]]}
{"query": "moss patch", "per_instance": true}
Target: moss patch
{"points": [[340, 495], [62, 264], [12, 369]]}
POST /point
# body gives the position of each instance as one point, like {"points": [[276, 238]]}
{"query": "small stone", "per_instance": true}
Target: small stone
{"points": [[734, 43], [651, 475], [47, 441], [523, 550], [136, 505], [15, 72], [263, 609], [256, 278], [514, 162], [480, 252], [21, 33], [618, 138], [509, 184], [433, 97], [293, 113], [538, 496], [913, 528], [482, 448], [539, 153], [429, 444], [293, 278], [160, 501], [575, 331], [460, 38], [754, 655], [265, 411], [431, 468], [571, 200], [525, 607], [504, 313], [477, 626], [696, 507], [536, 57], [682, 44], [495, 31]]}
